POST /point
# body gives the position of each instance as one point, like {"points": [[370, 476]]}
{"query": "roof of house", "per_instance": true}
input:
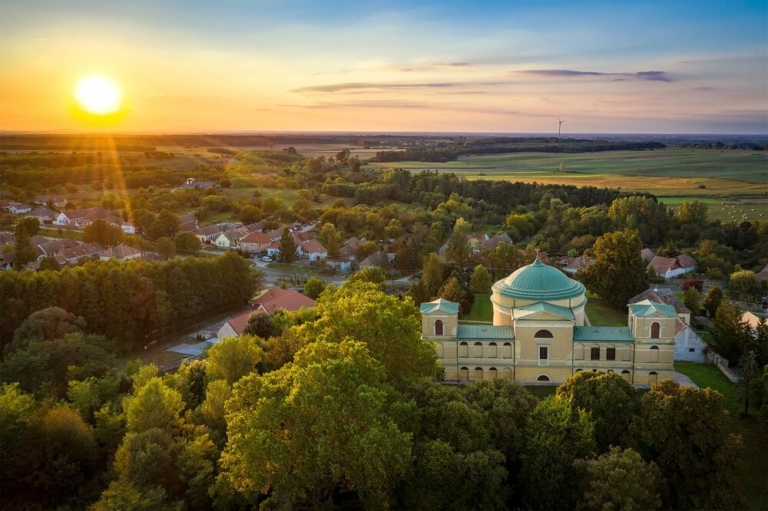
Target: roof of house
{"points": [[753, 319], [497, 240], [580, 263], [51, 247], [86, 250], [286, 299], [686, 261], [649, 308], [661, 264], [261, 238], [303, 236], [238, 323], [188, 217], [661, 295], [209, 230], [121, 252], [42, 212], [602, 334], [441, 305], [312, 246], [647, 254], [485, 332], [378, 259]]}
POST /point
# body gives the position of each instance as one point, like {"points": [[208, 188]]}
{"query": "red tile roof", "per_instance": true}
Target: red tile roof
{"points": [[286, 299]]}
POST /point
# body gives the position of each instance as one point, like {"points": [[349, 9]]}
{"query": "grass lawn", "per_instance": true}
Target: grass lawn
{"points": [[601, 314], [482, 310], [753, 480]]}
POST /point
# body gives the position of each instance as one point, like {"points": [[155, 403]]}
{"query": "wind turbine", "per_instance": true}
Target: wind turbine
{"points": [[559, 126]]}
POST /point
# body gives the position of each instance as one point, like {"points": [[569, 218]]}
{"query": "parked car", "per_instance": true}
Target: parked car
{"points": [[266, 259]]}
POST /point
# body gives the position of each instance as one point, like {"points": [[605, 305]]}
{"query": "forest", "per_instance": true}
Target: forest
{"points": [[342, 407]]}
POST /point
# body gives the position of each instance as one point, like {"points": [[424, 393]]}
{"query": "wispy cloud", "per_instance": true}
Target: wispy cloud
{"points": [[373, 87], [650, 76]]}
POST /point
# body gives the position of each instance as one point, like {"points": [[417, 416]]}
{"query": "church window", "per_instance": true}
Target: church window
{"points": [[654, 356], [438, 327], [655, 329], [464, 374], [478, 373], [543, 334], [594, 353], [493, 373], [653, 377], [610, 354], [543, 355], [463, 349], [543, 377], [478, 350], [507, 353], [492, 350]]}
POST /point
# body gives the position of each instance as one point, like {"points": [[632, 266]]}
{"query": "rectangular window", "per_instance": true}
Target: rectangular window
{"points": [[543, 355], [595, 353], [610, 354]]}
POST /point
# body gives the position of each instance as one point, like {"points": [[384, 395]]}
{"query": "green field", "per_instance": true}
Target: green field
{"points": [[601, 314], [482, 309], [738, 179]]}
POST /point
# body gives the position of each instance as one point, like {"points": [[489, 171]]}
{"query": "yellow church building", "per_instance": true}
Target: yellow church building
{"points": [[541, 335]]}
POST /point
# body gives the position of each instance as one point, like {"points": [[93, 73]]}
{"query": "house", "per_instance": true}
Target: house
{"points": [[191, 184], [539, 335], [57, 201], [230, 238], [281, 299], [669, 267], [312, 249], [6, 260], [647, 255], [377, 260], [51, 248], [234, 326], [128, 227], [81, 218], [497, 240], [255, 242], [577, 264], [121, 253], [689, 346], [74, 254], [346, 256], [18, 208], [752, 319], [208, 233], [43, 214]]}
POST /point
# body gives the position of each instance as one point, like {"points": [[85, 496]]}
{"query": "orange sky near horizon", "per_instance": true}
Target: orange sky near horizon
{"points": [[387, 71]]}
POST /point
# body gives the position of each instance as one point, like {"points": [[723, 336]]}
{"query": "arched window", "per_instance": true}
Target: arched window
{"points": [[493, 350], [438, 327], [653, 377], [655, 330], [543, 377], [478, 350], [543, 334], [625, 374], [478, 373], [578, 370], [493, 373], [463, 349], [507, 352], [463, 374], [654, 355]]}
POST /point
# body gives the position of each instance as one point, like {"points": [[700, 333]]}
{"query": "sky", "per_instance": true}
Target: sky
{"points": [[621, 66]]}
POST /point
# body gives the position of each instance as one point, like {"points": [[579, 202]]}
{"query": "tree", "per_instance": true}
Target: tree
{"points": [[313, 428], [692, 300], [24, 252], [313, 287], [45, 325], [458, 247], [556, 436], [29, 224], [389, 327], [744, 286], [166, 248], [748, 371], [687, 433], [432, 275], [233, 357], [731, 333], [373, 275], [187, 243], [49, 263], [250, 214], [619, 480], [712, 301], [103, 233], [481, 280], [288, 247], [452, 291], [619, 272], [166, 225], [259, 324], [330, 237], [611, 400]]}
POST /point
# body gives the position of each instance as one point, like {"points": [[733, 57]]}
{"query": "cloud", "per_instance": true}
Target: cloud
{"points": [[649, 76], [348, 87]]}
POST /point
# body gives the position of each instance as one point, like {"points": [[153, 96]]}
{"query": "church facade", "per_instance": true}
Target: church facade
{"points": [[541, 335]]}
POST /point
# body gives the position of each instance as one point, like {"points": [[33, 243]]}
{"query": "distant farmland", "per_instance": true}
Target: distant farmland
{"points": [[732, 182]]}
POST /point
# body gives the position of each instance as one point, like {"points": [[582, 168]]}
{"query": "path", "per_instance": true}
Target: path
{"points": [[683, 380]]}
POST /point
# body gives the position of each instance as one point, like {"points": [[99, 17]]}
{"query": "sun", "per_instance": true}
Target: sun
{"points": [[98, 95]]}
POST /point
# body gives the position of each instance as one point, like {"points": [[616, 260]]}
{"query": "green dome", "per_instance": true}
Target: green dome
{"points": [[538, 282]]}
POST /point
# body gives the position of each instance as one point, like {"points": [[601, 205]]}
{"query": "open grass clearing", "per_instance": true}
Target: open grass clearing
{"points": [[482, 309], [602, 314]]}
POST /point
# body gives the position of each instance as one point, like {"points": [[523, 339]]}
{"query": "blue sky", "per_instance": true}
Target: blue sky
{"points": [[622, 67]]}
